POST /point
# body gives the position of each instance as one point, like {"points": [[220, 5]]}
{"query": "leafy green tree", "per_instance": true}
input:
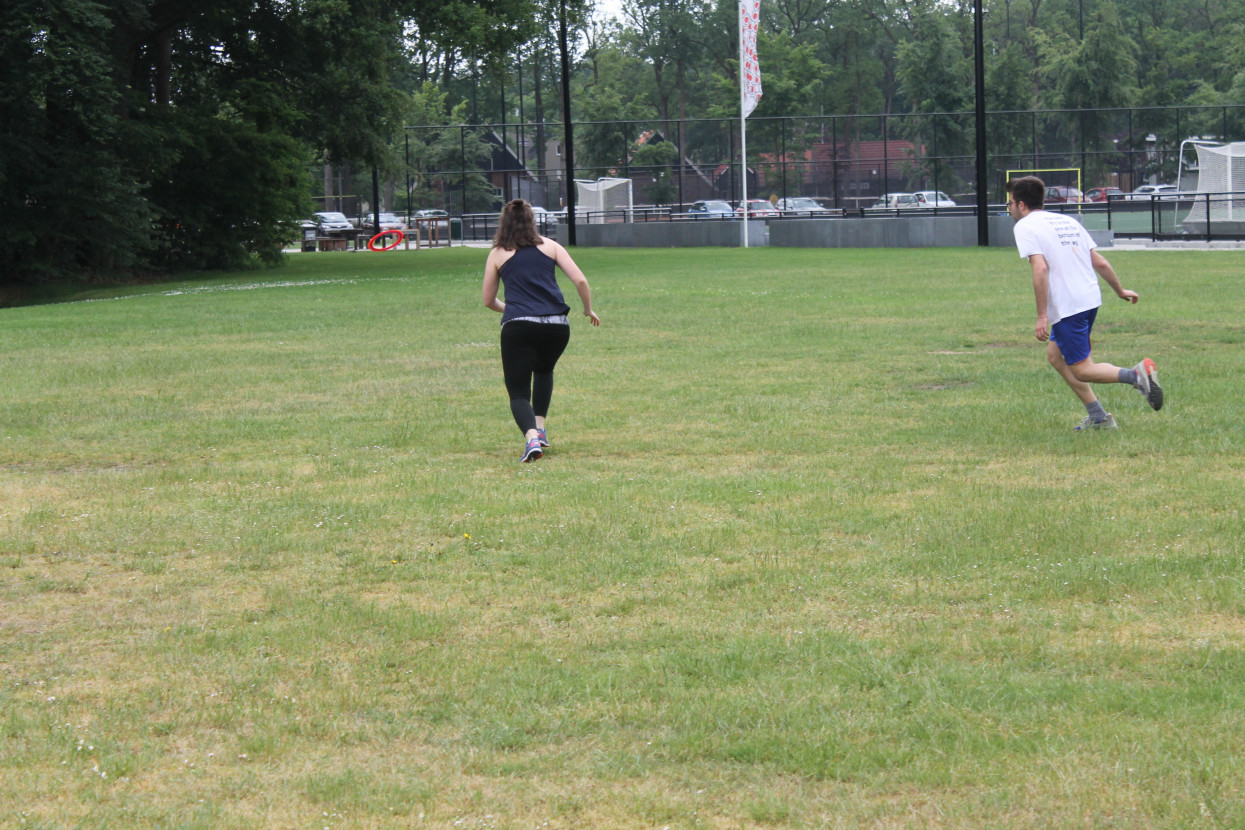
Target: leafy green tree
{"points": [[1092, 76], [859, 62], [229, 194], [657, 160], [1009, 84], [936, 77], [174, 131], [603, 145], [440, 149], [660, 32], [68, 200]]}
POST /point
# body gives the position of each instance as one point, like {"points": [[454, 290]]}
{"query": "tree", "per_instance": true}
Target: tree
{"points": [[935, 76], [604, 144], [660, 34], [179, 131], [656, 160], [440, 149], [1092, 76], [61, 114]]}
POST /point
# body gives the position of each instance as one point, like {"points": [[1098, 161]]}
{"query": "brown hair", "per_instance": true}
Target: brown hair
{"points": [[516, 227], [1028, 190]]}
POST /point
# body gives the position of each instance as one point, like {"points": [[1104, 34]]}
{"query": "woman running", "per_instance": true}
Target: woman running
{"points": [[534, 325]]}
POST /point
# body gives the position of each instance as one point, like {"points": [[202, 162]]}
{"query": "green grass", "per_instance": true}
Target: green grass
{"points": [[815, 546]]}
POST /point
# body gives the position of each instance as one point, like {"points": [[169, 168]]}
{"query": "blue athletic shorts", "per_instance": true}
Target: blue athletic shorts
{"points": [[1071, 335]]}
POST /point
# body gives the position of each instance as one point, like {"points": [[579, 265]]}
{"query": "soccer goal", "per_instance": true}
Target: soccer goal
{"points": [[1059, 180], [604, 200], [1219, 201]]}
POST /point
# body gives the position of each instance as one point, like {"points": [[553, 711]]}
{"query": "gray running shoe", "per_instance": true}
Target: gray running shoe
{"points": [[1106, 423], [1148, 384], [532, 451]]}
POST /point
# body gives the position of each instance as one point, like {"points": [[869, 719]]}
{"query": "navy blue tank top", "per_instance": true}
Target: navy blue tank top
{"points": [[531, 286]]}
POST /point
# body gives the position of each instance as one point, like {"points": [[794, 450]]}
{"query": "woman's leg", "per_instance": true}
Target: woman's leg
{"points": [[518, 362], [552, 343]]}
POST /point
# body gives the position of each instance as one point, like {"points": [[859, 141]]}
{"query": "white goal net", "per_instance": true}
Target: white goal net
{"points": [[603, 200], [1221, 176]]}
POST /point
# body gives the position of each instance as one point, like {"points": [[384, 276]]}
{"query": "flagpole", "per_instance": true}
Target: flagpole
{"points": [[743, 122]]}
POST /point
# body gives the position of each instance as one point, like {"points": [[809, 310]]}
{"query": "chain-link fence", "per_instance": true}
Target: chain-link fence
{"points": [[846, 163]]}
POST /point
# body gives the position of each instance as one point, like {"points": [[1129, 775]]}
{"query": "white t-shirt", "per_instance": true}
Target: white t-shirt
{"points": [[1072, 284]]}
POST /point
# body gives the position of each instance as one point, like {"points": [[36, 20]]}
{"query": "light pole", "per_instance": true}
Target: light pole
{"points": [[568, 130], [979, 67]]}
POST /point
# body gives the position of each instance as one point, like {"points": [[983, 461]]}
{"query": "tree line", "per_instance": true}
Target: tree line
{"points": [[168, 135], [151, 136], [663, 60]]}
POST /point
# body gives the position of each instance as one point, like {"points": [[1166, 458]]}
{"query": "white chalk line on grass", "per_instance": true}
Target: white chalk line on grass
{"points": [[253, 286]]}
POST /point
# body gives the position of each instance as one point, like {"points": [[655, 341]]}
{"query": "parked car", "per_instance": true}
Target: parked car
{"points": [[1063, 195], [442, 218], [1104, 194], [710, 208], [759, 208], [801, 206], [1163, 192], [896, 201], [550, 217], [328, 222], [933, 199], [388, 222]]}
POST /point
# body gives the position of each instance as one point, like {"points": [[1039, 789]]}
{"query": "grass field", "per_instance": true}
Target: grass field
{"points": [[815, 546]]}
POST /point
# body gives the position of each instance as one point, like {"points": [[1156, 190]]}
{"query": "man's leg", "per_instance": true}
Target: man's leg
{"points": [[1096, 417], [1143, 377], [1080, 387], [1087, 371]]}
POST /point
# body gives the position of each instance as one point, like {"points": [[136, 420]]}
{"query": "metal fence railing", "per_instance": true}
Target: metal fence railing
{"points": [[1156, 218]]}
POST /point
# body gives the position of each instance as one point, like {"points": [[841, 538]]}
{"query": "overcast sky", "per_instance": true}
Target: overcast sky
{"points": [[609, 8]]}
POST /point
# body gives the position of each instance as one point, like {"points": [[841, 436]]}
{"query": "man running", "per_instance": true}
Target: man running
{"points": [[1066, 266]]}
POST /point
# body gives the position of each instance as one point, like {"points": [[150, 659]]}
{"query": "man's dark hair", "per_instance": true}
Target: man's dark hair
{"points": [[1029, 191]]}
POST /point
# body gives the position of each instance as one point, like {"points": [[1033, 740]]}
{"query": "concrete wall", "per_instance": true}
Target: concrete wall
{"points": [[712, 233], [849, 232], [888, 232]]}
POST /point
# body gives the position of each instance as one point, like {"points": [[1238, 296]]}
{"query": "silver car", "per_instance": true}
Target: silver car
{"points": [[802, 206], [327, 221]]}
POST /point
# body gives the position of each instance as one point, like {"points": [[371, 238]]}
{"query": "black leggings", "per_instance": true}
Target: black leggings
{"points": [[529, 351]]}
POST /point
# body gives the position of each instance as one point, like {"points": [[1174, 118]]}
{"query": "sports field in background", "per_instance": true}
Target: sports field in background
{"points": [[815, 546]]}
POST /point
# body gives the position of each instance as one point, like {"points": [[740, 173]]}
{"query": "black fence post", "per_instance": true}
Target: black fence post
{"points": [[783, 126], [886, 174], [679, 160]]}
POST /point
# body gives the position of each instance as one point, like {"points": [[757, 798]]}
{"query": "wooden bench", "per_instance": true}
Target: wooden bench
{"points": [[331, 243]]}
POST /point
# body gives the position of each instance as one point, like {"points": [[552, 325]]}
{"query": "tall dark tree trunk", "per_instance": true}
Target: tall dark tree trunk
{"points": [[163, 54]]}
